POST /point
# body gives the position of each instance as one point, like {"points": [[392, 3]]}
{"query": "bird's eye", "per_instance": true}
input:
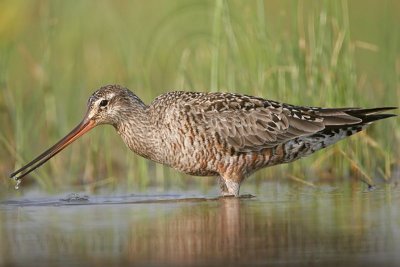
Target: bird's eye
{"points": [[103, 103]]}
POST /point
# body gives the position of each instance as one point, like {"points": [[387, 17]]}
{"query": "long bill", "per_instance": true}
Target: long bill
{"points": [[78, 131]]}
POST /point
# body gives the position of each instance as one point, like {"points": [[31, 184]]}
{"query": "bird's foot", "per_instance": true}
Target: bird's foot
{"points": [[229, 195], [247, 196], [226, 194]]}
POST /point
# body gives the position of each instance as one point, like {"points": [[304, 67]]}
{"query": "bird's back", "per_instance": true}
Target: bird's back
{"points": [[208, 133]]}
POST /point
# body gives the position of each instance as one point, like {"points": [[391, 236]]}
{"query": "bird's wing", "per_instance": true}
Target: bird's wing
{"points": [[251, 124], [260, 128]]}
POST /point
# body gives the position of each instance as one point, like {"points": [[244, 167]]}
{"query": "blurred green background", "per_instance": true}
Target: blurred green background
{"points": [[54, 54]]}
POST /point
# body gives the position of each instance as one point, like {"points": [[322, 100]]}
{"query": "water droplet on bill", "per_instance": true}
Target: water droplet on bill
{"points": [[17, 184]]}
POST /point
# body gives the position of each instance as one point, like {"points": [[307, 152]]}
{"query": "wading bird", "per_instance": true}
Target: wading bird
{"points": [[214, 134]]}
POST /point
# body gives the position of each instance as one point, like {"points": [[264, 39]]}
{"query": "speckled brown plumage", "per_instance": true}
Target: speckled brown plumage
{"points": [[216, 134]]}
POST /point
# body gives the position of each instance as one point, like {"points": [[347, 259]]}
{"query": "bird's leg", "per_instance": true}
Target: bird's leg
{"points": [[228, 187], [222, 186], [233, 187]]}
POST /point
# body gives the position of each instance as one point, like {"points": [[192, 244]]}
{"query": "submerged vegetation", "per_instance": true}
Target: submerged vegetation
{"points": [[54, 54]]}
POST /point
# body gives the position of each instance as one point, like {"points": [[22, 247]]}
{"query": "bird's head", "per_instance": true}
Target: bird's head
{"points": [[108, 105]]}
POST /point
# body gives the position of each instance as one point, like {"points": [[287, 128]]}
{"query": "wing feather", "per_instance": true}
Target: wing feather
{"points": [[250, 123], [253, 130]]}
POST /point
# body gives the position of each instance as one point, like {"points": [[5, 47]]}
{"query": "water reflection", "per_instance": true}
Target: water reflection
{"points": [[298, 226]]}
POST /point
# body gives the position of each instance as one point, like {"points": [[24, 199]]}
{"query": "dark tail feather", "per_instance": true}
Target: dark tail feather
{"points": [[340, 127], [371, 114], [346, 117], [339, 123], [370, 111], [343, 122], [375, 117]]}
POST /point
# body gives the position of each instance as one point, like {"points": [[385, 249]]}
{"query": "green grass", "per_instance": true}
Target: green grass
{"points": [[54, 54]]}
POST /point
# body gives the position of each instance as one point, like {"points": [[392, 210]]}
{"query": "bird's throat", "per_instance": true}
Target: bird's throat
{"points": [[139, 135]]}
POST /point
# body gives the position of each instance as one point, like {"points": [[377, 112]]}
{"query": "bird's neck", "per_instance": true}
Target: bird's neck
{"points": [[138, 132]]}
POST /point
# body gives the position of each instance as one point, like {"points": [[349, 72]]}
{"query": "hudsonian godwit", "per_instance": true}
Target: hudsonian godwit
{"points": [[215, 134]]}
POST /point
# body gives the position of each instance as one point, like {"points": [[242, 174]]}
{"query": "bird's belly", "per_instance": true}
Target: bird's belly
{"points": [[215, 161], [199, 162], [194, 154], [204, 155]]}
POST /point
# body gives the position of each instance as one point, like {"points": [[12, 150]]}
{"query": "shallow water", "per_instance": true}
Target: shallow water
{"points": [[285, 224]]}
